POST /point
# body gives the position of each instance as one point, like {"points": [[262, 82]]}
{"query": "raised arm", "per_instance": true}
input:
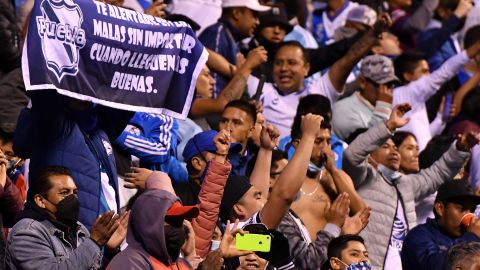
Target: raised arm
{"points": [[343, 182], [291, 179], [428, 180], [464, 90], [355, 157], [421, 90], [324, 57], [432, 40], [233, 90], [211, 193], [219, 64], [420, 18], [260, 177], [148, 137], [339, 72]]}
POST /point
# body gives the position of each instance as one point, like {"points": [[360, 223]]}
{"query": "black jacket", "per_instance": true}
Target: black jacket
{"points": [[10, 37]]}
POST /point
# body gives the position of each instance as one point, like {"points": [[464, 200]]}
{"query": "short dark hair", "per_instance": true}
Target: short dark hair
{"points": [[448, 4], [407, 62], [337, 245], [354, 135], [6, 137], [463, 253], [294, 43], [315, 104], [401, 136], [435, 148], [244, 106], [277, 155], [39, 181], [472, 36]]}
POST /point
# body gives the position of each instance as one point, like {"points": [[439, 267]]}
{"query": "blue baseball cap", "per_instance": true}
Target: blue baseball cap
{"points": [[203, 141]]}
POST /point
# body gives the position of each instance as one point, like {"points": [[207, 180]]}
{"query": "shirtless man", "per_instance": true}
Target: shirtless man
{"points": [[322, 184], [317, 216]]}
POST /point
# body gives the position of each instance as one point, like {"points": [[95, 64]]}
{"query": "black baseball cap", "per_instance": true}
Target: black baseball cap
{"points": [[235, 188], [457, 191]]}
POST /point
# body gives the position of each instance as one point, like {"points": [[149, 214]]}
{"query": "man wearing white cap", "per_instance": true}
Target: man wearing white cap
{"points": [[239, 20]]}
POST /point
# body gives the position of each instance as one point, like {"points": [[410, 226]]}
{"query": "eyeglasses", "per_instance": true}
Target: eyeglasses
{"points": [[390, 85]]}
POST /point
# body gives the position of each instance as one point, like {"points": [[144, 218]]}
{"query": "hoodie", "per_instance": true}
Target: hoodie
{"points": [[147, 248]]}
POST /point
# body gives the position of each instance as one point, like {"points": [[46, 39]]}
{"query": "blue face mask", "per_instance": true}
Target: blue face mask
{"points": [[357, 266], [314, 168], [388, 173]]}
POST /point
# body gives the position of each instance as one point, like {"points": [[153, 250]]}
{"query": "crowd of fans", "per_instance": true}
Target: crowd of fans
{"points": [[345, 131]]}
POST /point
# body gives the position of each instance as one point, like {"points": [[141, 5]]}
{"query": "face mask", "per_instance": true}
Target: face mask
{"points": [[174, 240], [68, 210], [388, 173], [215, 245], [314, 168], [357, 266]]}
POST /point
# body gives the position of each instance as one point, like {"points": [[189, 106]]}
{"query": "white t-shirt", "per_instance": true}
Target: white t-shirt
{"points": [[418, 92], [280, 110], [399, 232]]}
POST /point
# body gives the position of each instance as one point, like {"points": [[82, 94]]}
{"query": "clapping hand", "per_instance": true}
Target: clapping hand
{"points": [[104, 227], [355, 224], [338, 211], [120, 233]]}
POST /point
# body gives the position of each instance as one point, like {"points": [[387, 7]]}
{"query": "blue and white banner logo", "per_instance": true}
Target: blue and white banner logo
{"points": [[60, 29], [112, 56]]}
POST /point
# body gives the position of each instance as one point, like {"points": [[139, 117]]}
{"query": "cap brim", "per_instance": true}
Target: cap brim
{"points": [[235, 147], [388, 79], [258, 8], [179, 210], [285, 25], [474, 199]]}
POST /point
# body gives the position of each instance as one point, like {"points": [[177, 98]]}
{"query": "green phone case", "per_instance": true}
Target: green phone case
{"points": [[253, 242]]}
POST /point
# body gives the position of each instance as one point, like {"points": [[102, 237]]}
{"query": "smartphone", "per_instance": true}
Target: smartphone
{"points": [[447, 106], [253, 242]]}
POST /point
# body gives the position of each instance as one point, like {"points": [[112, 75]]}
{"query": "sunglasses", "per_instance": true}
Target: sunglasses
{"points": [[390, 85]]}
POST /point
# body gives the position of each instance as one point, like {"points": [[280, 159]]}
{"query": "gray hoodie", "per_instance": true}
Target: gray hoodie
{"points": [[146, 236]]}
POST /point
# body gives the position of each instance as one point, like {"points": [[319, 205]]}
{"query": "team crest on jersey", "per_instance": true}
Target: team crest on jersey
{"points": [[108, 147], [59, 28]]}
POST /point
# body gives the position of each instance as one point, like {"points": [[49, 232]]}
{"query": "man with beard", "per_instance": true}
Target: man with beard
{"points": [[426, 246], [48, 235]]}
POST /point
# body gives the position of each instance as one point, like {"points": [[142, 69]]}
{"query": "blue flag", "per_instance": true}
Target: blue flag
{"points": [[113, 56]]}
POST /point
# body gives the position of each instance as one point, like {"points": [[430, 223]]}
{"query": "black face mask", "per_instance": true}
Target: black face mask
{"points": [[68, 210], [174, 239]]}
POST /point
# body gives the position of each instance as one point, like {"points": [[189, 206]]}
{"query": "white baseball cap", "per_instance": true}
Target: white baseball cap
{"points": [[251, 4]]}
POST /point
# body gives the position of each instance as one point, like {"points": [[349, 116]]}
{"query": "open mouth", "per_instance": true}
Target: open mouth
{"points": [[285, 78], [252, 266]]}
